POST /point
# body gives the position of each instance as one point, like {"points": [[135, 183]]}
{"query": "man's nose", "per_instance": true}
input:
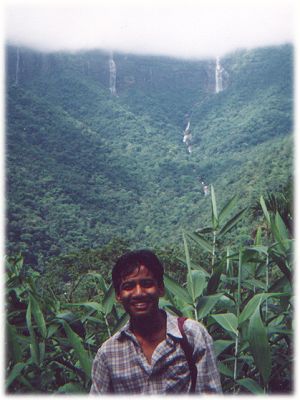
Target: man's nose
{"points": [[138, 290]]}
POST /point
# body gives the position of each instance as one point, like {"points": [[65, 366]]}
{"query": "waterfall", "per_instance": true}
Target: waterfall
{"points": [[17, 66], [218, 75], [205, 188], [112, 76], [187, 137]]}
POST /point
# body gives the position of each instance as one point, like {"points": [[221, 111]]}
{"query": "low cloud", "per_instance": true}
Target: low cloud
{"points": [[183, 28]]}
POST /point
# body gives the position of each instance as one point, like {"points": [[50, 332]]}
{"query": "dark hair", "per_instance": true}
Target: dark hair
{"points": [[133, 259]]}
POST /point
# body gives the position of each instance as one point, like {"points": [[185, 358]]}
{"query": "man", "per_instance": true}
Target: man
{"points": [[146, 356]]}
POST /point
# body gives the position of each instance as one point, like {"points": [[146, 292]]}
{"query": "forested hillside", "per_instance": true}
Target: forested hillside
{"points": [[193, 158], [85, 166]]}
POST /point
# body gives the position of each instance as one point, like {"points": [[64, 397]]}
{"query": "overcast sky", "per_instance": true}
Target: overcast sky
{"points": [[182, 28]]}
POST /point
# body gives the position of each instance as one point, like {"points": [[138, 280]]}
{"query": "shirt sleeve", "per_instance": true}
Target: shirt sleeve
{"points": [[101, 382], [208, 377]]}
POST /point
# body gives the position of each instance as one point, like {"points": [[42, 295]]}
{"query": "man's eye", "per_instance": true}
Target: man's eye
{"points": [[127, 286]]}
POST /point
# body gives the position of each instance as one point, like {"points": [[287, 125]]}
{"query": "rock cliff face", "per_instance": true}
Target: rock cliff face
{"points": [[144, 71]]}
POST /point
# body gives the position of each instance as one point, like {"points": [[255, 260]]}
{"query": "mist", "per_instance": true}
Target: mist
{"points": [[189, 29]]}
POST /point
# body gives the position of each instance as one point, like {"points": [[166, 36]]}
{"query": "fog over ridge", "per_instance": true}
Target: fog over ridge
{"points": [[186, 29]]}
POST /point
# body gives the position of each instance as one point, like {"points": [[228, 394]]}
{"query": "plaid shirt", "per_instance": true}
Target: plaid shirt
{"points": [[120, 365]]}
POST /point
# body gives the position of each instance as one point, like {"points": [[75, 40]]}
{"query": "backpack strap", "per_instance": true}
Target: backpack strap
{"points": [[188, 351]]}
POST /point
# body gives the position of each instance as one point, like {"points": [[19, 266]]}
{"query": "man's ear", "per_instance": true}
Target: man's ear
{"points": [[117, 295]]}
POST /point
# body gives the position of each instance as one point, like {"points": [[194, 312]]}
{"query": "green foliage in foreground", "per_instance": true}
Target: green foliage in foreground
{"points": [[242, 294]]}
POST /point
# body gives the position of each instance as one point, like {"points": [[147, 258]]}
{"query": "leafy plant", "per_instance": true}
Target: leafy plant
{"points": [[50, 349], [245, 300], [242, 294]]}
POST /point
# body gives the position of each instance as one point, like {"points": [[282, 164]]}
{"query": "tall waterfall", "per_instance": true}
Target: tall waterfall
{"points": [[218, 75], [187, 137], [112, 75]]}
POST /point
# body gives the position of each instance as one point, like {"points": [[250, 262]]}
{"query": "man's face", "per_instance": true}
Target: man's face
{"points": [[139, 293]]}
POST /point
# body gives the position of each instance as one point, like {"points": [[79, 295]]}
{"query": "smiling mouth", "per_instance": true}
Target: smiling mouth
{"points": [[140, 305]]}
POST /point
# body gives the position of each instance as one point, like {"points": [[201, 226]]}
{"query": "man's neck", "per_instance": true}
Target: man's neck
{"points": [[150, 328]]}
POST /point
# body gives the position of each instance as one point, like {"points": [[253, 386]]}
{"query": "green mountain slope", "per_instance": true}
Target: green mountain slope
{"points": [[84, 166]]}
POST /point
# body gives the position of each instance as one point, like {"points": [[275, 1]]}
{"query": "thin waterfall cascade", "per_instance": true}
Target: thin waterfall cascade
{"points": [[112, 76], [219, 76], [205, 188], [17, 66], [187, 137]]}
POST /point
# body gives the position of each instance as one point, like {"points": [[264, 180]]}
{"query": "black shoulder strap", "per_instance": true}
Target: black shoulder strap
{"points": [[188, 351]]}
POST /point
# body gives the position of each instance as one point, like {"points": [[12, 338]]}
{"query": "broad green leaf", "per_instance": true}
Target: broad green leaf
{"points": [[71, 388], [66, 316], [215, 218], [265, 210], [34, 349], [258, 249], [220, 345], [14, 373], [188, 311], [109, 300], [251, 306], [281, 226], [24, 341], [258, 237], [14, 346], [206, 304], [259, 345], [187, 253], [283, 331], [196, 283], [253, 283], [42, 349], [38, 316], [232, 222], [81, 353], [164, 302], [251, 385], [228, 321], [226, 210], [198, 239], [224, 370], [89, 304], [239, 282], [280, 233], [254, 303], [177, 290], [100, 280], [95, 320]]}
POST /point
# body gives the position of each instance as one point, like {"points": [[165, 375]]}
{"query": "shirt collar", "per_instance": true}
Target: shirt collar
{"points": [[172, 328]]}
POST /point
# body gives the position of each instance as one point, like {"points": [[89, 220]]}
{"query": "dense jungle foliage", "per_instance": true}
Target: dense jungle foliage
{"points": [[243, 295], [90, 175]]}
